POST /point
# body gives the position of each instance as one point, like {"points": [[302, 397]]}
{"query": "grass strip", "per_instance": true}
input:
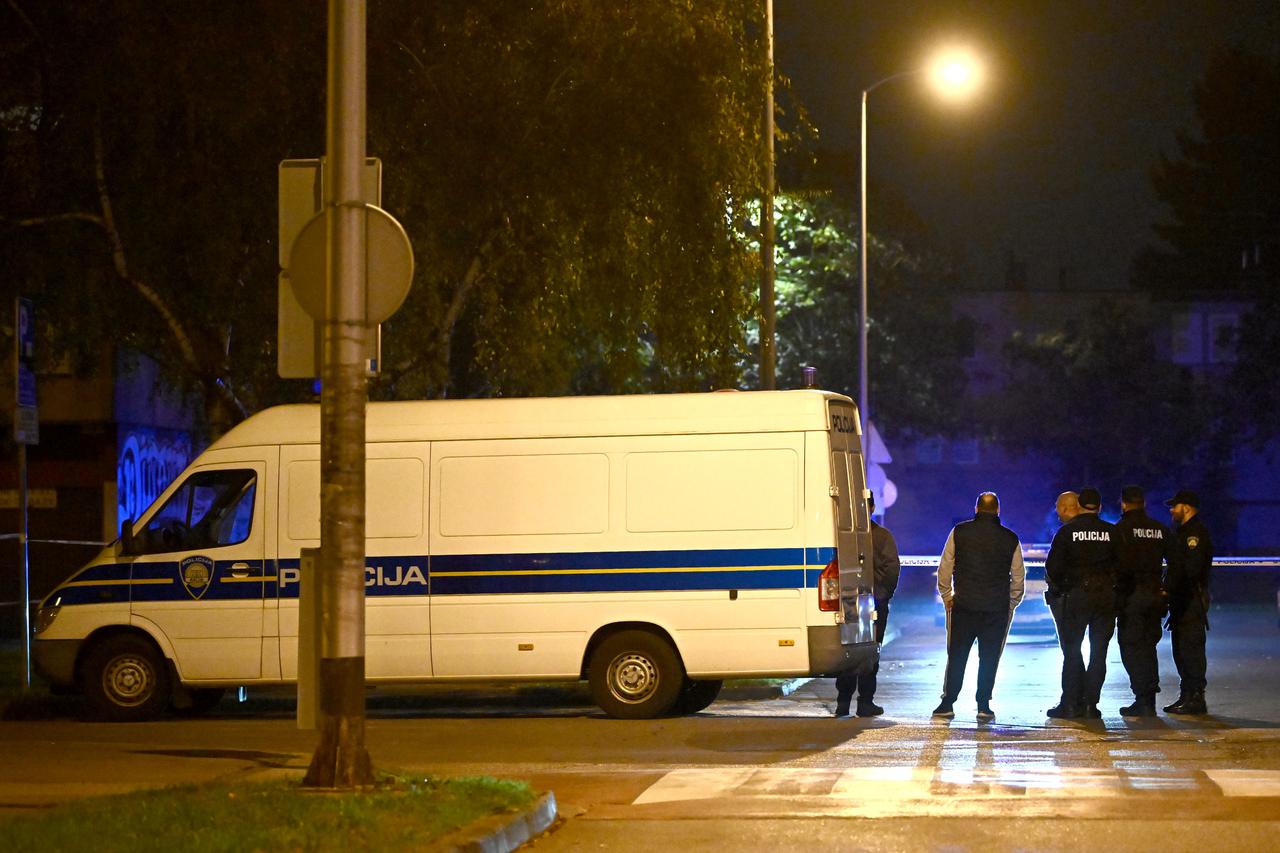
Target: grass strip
{"points": [[403, 812]]}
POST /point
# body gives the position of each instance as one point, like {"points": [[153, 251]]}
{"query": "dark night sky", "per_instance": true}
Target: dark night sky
{"points": [[1052, 159]]}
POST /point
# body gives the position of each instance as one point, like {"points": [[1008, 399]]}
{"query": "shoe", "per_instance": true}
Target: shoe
{"points": [[985, 714], [869, 709], [842, 710], [1091, 712], [1192, 704], [1177, 703], [945, 710], [1143, 706], [1064, 712]]}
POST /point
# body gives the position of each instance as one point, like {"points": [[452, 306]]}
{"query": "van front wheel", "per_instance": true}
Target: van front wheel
{"points": [[126, 680], [635, 675]]}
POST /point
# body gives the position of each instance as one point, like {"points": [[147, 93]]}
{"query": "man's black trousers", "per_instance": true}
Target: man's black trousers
{"points": [[1076, 614], [865, 685], [989, 628], [1189, 624], [1138, 635]]}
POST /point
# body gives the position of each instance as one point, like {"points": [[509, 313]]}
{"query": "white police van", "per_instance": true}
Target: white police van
{"points": [[651, 544]]}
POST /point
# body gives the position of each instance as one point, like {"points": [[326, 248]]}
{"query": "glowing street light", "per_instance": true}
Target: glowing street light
{"points": [[955, 73]]}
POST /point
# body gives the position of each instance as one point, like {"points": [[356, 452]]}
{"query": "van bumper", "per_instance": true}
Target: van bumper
{"points": [[55, 661], [829, 657]]}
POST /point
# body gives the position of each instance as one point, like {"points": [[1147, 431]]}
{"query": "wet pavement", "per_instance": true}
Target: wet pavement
{"points": [[782, 773]]}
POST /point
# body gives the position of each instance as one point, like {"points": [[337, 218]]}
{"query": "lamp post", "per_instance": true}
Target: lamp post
{"points": [[955, 74]]}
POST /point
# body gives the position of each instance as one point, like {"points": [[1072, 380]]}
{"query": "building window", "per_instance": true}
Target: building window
{"points": [[1224, 330], [1186, 344], [964, 451], [929, 451]]}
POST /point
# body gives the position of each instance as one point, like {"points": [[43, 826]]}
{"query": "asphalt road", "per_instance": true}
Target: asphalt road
{"points": [[779, 774]]}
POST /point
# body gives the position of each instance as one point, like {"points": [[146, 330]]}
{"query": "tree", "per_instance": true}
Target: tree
{"points": [[916, 344], [145, 210], [1223, 187], [568, 172], [1095, 397], [589, 161], [1223, 193]]}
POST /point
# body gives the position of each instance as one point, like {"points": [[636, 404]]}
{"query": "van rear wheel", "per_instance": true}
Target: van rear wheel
{"points": [[126, 680], [635, 675]]}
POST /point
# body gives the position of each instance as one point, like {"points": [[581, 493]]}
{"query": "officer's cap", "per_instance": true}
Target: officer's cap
{"points": [[1090, 498], [1133, 495], [1184, 496]]}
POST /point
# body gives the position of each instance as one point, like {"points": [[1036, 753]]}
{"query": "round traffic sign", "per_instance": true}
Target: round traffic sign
{"points": [[388, 264]]}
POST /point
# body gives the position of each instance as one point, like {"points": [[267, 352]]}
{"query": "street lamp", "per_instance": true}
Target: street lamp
{"points": [[955, 73]]}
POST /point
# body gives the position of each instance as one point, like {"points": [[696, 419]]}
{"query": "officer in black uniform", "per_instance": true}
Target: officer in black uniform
{"points": [[886, 566], [1080, 574], [1141, 545], [1190, 558]]}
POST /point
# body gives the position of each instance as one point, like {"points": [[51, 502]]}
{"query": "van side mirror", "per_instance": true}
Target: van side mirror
{"points": [[127, 540]]}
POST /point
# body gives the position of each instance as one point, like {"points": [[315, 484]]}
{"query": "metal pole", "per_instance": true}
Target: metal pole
{"points": [[24, 558], [768, 316], [341, 759], [862, 270]]}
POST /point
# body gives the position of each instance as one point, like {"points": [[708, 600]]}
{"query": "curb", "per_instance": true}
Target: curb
{"points": [[764, 691], [503, 833]]}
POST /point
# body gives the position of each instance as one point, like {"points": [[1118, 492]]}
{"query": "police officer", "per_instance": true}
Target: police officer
{"points": [[887, 566], [1141, 545], [1190, 556], [981, 578], [1080, 574]]}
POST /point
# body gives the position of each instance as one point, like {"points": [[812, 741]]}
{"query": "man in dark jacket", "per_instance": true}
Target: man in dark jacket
{"points": [[1080, 573], [981, 579], [1141, 545], [886, 566], [1190, 558]]}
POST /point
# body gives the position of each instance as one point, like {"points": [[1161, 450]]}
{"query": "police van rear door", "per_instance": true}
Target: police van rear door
{"points": [[853, 530]]}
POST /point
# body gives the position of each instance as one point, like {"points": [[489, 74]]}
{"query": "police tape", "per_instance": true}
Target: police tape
{"points": [[1218, 562]]}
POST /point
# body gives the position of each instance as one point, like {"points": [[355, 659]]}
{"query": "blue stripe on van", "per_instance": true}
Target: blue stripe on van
{"points": [[595, 571]]}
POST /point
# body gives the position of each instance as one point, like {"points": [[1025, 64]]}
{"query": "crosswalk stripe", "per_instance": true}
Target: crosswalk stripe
{"points": [[907, 782]]}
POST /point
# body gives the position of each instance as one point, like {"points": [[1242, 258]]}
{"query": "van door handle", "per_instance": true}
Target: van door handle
{"points": [[240, 570]]}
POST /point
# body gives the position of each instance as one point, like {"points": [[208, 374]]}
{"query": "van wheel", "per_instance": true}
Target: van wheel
{"points": [[126, 680], [697, 696], [635, 675]]}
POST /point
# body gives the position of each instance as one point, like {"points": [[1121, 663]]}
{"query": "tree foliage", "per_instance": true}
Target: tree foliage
{"points": [[569, 172], [1222, 188], [1096, 397], [1223, 195], [916, 345]]}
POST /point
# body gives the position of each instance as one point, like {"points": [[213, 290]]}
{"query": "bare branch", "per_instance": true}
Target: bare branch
{"points": [[91, 218]]}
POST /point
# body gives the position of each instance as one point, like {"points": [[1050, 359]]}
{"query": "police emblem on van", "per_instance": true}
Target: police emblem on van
{"points": [[197, 574]]}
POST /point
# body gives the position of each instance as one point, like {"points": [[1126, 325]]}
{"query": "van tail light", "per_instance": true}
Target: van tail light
{"points": [[829, 587]]}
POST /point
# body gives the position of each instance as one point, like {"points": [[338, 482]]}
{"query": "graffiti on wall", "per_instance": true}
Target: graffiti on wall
{"points": [[150, 459]]}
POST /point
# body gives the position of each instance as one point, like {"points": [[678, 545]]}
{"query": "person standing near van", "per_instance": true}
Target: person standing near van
{"points": [[981, 578], [1141, 545], [1080, 572], [1190, 558], [886, 566]]}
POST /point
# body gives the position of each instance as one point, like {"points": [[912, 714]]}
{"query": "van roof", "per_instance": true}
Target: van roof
{"points": [[546, 417]]}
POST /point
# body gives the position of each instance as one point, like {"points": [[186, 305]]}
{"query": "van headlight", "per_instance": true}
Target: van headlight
{"points": [[47, 613]]}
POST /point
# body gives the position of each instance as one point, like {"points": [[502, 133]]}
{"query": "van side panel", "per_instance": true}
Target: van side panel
{"points": [[397, 603], [700, 535]]}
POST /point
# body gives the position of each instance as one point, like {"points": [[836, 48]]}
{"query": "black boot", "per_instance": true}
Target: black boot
{"points": [[867, 708], [1063, 711], [1192, 703], [1172, 708], [1143, 706]]}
